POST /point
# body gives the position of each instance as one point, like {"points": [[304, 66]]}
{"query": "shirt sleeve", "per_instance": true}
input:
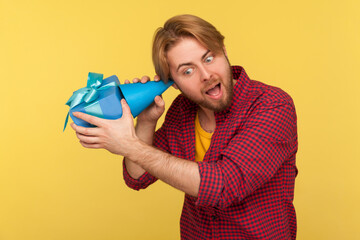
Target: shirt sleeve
{"points": [[160, 141], [254, 155], [141, 183]]}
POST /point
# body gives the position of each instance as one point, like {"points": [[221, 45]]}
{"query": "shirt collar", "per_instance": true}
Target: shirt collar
{"points": [[242, 81]]}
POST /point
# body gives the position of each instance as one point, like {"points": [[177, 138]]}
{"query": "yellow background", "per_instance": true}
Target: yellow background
{"points": [[52, 188]]}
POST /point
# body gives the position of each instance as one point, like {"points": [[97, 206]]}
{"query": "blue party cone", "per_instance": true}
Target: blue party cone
{"points": [[140, 95]]}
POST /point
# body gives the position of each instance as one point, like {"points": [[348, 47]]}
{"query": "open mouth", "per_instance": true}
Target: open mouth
{"points": [[216, 90]]}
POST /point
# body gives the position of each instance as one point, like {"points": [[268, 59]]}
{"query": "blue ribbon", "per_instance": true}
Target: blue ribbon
{"points": [[89, 93]]}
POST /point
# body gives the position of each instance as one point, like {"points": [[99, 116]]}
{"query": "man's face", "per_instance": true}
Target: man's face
{"points": [[202, 76]]}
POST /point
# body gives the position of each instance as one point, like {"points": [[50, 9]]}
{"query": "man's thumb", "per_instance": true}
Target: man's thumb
{"points": [[125, 107], [159, 102]]}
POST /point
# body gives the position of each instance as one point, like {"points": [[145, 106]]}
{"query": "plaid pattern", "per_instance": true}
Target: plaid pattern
{"points": [[248, 173]]}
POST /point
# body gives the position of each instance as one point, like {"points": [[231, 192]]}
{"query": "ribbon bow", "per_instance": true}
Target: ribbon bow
{"points": [[88, 93]]}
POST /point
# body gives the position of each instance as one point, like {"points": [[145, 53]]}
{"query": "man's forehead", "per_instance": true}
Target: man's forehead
{"points": [[186, 50]]}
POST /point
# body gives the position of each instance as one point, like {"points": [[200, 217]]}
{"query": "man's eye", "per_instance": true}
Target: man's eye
{"points": [[188, 71], [209, 59]]}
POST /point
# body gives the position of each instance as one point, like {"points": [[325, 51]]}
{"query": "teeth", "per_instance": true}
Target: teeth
{"points": [[214, 91], [213, 87]]}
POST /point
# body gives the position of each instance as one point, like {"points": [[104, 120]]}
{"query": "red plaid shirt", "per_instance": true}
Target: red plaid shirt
{"points": [[248, 173]]}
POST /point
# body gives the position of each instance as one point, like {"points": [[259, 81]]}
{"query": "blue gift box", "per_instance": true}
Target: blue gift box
{"points": [[100, 98], [107, 105]]}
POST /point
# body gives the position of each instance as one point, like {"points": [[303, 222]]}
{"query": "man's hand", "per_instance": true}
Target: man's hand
{"points": [[117, 136], [152, 113], [120, 137]]}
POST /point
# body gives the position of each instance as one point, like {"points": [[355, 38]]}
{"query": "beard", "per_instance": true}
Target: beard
{"points": [[222, 104]]}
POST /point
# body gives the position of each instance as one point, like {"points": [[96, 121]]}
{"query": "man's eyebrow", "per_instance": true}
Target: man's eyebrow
{"points": [[203, 56], [189, 63]]}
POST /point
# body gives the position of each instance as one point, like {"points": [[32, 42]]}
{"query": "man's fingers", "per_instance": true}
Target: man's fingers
{"points": [[156, 78], [88, 118], [135, 80], [90, 131], [87, 139], [88, 145], [84, 130], [145, 79]]}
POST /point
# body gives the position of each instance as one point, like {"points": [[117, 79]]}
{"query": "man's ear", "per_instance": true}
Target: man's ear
{"points": [[224, 50]]}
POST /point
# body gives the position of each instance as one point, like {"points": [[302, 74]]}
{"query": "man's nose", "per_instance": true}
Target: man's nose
{"points": [[205, 73]]}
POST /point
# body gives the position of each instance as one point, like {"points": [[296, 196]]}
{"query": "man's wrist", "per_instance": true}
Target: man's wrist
{"points": [[142, 126], [146, 123], [137, 154]]}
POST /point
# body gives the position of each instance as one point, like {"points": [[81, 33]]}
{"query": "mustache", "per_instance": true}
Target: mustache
{"points": [[211, 82]]}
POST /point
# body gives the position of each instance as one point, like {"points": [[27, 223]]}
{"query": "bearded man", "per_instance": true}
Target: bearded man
{"points": [[228, 142]]}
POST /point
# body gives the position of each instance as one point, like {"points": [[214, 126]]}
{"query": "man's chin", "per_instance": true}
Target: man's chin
{"points": [[216, 107], [222, 107]]}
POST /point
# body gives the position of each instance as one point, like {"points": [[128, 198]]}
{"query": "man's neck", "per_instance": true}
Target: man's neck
{"points": [[207, 119]]}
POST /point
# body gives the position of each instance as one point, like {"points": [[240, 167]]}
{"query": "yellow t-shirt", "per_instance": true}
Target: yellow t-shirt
{"points": [[202, 140]]}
